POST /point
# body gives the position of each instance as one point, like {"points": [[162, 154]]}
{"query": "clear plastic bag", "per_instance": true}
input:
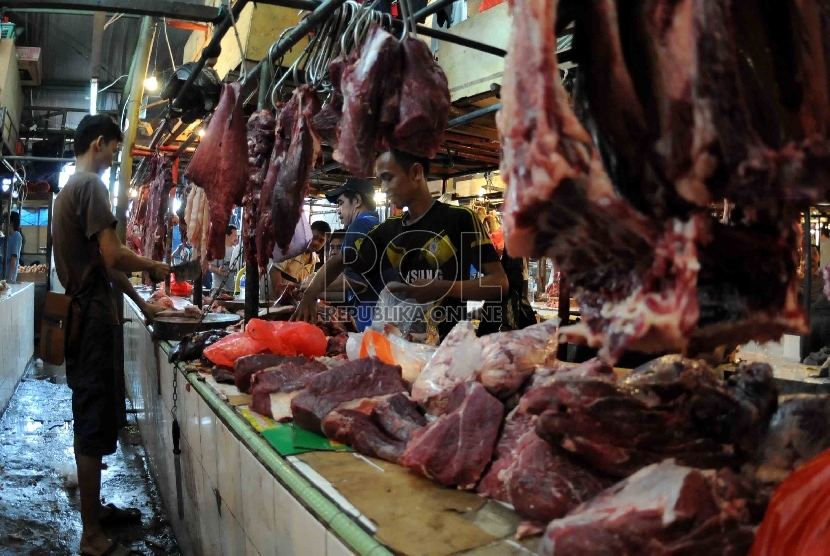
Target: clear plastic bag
{"points": [[407, 315], [391, 349]]}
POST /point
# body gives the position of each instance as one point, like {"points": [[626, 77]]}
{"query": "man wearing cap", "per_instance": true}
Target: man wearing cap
{"points": [[356, 208]]}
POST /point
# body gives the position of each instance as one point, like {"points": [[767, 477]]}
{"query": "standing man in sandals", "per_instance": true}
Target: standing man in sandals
{"points": [[91, 261]]}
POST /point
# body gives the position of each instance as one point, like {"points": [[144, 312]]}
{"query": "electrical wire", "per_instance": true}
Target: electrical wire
{"points": [[113, 83], [113, 19], [169, 48]]}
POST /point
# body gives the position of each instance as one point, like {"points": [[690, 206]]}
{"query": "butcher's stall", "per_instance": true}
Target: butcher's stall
{"points": [[243, 484]]}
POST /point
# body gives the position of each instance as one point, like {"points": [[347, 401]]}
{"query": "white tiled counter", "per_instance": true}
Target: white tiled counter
{"points": [[239, 496], [17, 337]]}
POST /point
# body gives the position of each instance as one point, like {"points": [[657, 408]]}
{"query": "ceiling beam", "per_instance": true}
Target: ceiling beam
{"points": [[157, 8]]}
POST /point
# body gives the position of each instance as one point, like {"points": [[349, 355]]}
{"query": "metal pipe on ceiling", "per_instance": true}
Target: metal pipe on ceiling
{"points": [[431, 9], [98, 21], [38, 159], [142, 61], [474, 115], [174, 9]]}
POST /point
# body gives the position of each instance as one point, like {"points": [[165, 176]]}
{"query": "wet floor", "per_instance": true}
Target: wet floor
{"points": [[39, 501]]}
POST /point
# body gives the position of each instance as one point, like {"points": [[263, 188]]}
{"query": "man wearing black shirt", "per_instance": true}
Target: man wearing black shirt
{"points": [[426, 253]]}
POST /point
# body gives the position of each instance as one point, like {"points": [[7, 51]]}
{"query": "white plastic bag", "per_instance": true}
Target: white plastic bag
{"points": [[407, 315], [299, 243]]}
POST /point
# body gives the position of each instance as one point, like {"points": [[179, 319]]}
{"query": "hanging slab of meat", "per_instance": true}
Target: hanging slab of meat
{"points": [[363, 90], [138, 220], [218, 165], [424, 101], [671, 407], [246, 366], [663, 509], [292, 182], [261, 126], [326, 120], [455, 449], [197, 217], [282, 139], [798, 432], [273, 389], [382, 433], [158, 202], [361, 378]]}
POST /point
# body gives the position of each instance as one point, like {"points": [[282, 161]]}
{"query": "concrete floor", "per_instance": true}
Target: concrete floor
{"points": [[39, 507]]}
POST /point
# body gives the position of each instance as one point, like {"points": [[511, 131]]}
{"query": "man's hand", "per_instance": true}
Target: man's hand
{"points": [[306, 310], [150, 311], [159, 272]]}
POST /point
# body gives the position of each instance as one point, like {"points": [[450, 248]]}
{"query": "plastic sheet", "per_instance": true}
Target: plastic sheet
{"points": [[797, 522]]}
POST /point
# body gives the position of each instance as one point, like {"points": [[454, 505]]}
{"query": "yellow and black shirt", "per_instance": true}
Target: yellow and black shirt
{"points": [[446, 243]]}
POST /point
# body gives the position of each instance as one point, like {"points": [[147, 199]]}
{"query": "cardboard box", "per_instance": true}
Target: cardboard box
{"points": [[29, 65]]}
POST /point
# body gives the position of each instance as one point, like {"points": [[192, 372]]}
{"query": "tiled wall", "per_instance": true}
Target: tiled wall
{"points": [[17, 338], [233, 505]]}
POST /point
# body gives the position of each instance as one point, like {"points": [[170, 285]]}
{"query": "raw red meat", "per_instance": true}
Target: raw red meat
{"points": [[273, 389], [222, 374], [264, 231], [326, 120], [138, 220], [456, 448], [671, 407], [662, 509], [356, 429], [337, 345], [398, 417], [361, 378], [363, 89], [292, 182], [245, 367], [158, 203], [424, 101], [218, 166], [261, 127]]}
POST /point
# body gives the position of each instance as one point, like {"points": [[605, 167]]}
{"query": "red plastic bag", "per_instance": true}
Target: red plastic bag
{"points": [[797, 522], [289, 338], [180, 289], [230, 348]]}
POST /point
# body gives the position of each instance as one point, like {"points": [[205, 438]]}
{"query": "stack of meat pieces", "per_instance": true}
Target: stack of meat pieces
{"points": [[273, 389], [663, 509], [711, 100], [218, 166], [502, 362], [669, 408], [158, 202], [393, 95], [261, 135]]}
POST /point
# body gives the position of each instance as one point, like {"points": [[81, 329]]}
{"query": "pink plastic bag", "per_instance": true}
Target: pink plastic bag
{"points": [[230, 348]]}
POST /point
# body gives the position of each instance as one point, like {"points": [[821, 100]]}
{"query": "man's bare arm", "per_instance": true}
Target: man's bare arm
{"points": [[118, 256], [122, 284]]}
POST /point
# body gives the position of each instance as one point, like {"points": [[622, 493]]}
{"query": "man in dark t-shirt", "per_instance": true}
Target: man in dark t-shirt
{"points": [[425, 254], [90, 261]]}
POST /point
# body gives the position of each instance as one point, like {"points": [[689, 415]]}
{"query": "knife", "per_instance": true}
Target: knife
{"points": [[190, 270]]}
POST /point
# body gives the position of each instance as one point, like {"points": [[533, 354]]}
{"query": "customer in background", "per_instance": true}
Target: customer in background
{"points": [[355, 202], [13, 246], [224, 270], [336, 242], [91, 261], [299, 268]]}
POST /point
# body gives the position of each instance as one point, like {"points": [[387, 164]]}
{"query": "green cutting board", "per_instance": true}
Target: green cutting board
{"points": [[309, 441]]}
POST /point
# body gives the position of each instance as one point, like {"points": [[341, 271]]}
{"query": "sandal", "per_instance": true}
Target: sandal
{"points": [[120, 516], [116, 549]]}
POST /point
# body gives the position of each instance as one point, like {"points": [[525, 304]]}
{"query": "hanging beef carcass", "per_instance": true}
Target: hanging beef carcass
{"points": [[326, 120], [261, 127], [292, 182], [218, 165], [155, 232], [282, 140], [424, 101], [138, 220], [364, 83]]}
